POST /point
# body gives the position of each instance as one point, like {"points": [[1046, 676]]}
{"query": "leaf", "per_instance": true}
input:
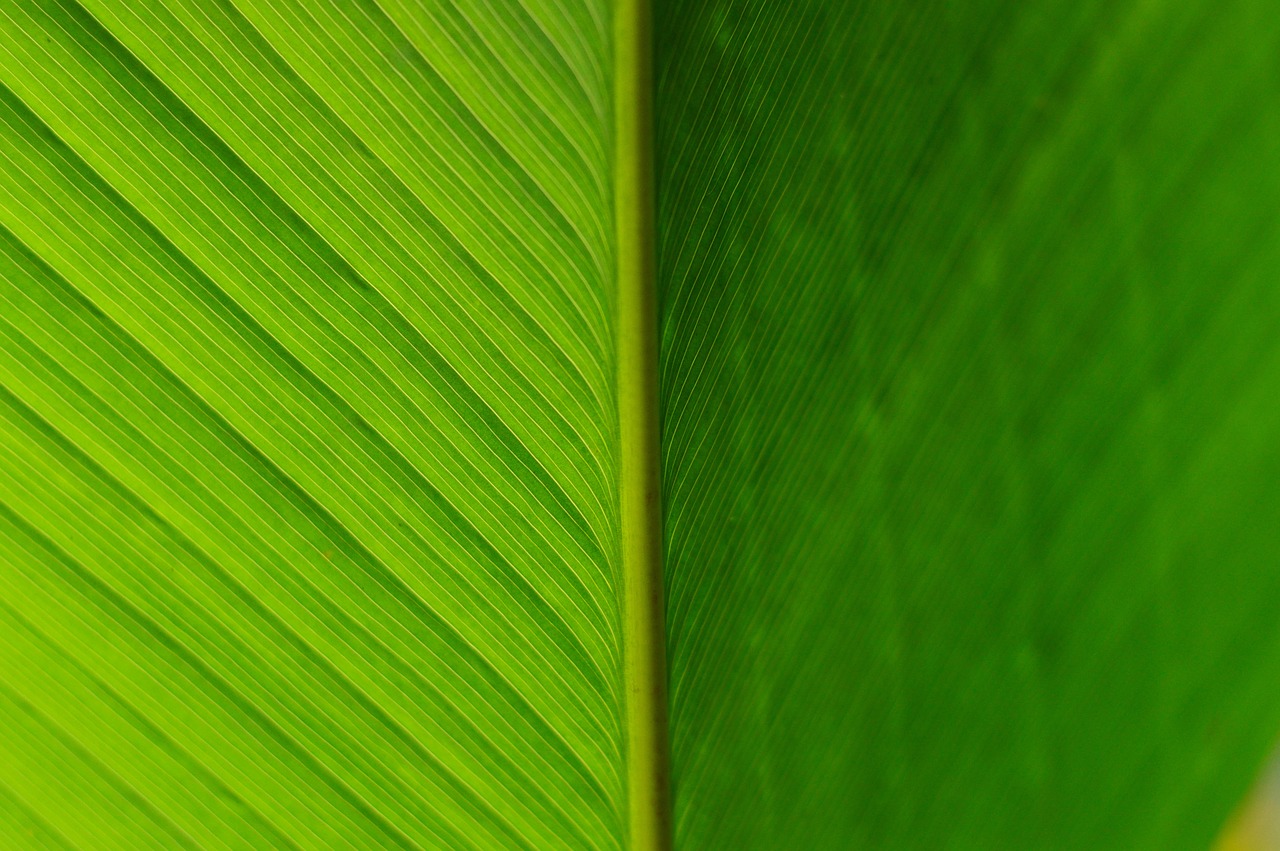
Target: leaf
{"points": [[969, 357], [328, 432], [309, 468]]}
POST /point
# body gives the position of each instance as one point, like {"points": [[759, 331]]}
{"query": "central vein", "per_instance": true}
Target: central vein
{"points": [[644, 650]]}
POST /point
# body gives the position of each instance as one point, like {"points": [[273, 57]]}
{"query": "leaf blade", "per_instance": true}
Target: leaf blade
{"points": [[364, 451], [966, 349]]}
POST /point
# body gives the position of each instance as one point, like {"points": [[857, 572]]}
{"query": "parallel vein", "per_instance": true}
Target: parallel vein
{"points": [[309, 532]]}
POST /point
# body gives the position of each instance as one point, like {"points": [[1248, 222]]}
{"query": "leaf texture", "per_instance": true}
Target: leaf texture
{"points": [[971, 432], [311, 461], [308, 475]]}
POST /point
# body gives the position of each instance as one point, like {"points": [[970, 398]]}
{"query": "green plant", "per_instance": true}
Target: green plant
{"points": [[333, 342]]}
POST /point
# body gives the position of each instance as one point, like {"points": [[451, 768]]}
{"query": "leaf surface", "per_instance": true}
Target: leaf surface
{"points": [[325, 436], [309, 523], [969, 370]]}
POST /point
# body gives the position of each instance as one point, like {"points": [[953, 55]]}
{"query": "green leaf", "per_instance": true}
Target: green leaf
{"points": [[970, 357], [309, 466], [333, 356]]}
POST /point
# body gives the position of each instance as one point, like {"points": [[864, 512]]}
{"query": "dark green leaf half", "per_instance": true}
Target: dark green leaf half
{"points": [[971, 410]]}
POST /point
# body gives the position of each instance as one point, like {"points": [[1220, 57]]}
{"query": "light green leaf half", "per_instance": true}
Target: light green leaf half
{"points": [[309, 461], [971, 399]]}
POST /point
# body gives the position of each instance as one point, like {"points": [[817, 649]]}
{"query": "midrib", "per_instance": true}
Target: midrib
{"points": [[644, 651]]}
